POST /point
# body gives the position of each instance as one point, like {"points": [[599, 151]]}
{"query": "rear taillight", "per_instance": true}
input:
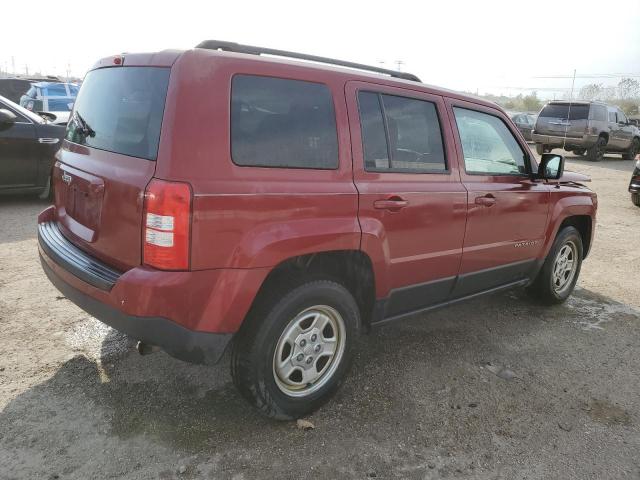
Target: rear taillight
{"points": [[167, 225]]}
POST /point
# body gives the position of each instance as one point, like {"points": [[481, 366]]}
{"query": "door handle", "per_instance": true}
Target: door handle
{"points": [[486, 201], [393, 203]]}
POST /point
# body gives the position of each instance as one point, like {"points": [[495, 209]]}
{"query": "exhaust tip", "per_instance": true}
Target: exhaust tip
{"points": [[145, 348]]}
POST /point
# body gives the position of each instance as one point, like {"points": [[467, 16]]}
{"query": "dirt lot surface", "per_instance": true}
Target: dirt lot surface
{"points": [[496, 388]]}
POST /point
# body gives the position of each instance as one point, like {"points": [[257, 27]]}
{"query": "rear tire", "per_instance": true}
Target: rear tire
{"points": [[47, 193], [559, 273], [274, 361], [596, 152], [635, 198], [633, 150]]}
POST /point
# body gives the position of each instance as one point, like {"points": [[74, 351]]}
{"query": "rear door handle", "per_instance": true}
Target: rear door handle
{"points": [[393, 203], [487, 201]]}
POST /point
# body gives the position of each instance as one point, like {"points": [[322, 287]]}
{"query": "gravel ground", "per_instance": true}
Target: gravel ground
{"points": [[496, 388]]}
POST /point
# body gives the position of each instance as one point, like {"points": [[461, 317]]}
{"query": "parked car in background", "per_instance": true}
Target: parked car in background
{"points": [[318, 186], [14, 88], [634, 185], [53, 97], [28, 143], [525, 123], [593, 128]]}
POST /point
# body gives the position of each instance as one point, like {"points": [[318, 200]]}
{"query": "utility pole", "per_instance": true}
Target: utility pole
{"points": [[566, 127], [399, 63], [13, 65]]}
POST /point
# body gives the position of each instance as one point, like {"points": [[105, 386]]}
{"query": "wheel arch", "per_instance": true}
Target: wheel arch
{"points": [[582, 223], [574, 209], [351, 268]]}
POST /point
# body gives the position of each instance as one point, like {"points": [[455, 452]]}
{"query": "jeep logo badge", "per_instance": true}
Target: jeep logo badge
{"points": [[66, 178]]}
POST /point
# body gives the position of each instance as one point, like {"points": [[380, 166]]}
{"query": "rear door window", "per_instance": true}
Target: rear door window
{"points": [[400, 134], [277, 122], [488, 146], [120, 110]]}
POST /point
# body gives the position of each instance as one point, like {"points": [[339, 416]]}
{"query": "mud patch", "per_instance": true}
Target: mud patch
{"points": [[608, 414]]}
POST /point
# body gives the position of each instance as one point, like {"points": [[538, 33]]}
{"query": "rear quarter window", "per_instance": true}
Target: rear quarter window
{"points": [[284, 123]]}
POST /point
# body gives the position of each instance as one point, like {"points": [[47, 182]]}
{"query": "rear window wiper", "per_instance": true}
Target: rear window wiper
{"points": [[85, 129]]}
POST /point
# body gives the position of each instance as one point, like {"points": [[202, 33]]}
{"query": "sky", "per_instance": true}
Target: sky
{"points": [[490, 46]]}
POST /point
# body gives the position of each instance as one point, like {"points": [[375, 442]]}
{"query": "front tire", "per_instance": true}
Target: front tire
{"points": [[47, 193], [633, 150], [559, 273], [295, 348], [635, 198]]}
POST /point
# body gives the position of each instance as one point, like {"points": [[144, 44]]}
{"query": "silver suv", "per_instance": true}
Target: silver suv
{"points": [[593, 128]]}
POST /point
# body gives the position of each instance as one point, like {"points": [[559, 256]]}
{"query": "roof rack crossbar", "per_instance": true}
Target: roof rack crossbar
{"points": [[238, 48]]}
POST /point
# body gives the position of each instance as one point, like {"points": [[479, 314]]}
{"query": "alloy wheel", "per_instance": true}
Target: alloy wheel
{"points": [[564, 267], [309, 351]]}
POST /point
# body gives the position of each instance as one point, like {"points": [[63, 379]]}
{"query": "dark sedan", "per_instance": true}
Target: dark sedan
{"points": [[28, 144], [525, 123], [634, 185]]}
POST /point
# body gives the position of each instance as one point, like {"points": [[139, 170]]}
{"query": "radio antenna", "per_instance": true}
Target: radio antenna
{"points": [[566, 125]]}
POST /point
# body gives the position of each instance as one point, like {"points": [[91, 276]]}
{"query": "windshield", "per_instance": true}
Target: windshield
{"points": [[561, 110], [120, 110]]}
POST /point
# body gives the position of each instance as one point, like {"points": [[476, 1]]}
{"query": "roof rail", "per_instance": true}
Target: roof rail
{"points": [[238, 48]]}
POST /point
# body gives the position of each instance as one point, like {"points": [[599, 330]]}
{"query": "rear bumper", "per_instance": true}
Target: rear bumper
{"points": [[177, 341], [586, 141], [634, 187], [192, 315]]}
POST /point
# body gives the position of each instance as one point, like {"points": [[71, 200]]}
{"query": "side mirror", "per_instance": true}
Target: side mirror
{"points": [[7, 119], [551, 166], [51, 117]]}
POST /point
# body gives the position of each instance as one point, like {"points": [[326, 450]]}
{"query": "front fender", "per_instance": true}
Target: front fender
{"points": [[566, 203]]}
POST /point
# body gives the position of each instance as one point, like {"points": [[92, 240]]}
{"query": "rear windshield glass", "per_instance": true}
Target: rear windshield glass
{"points": [[120, 110], [578, 112]]}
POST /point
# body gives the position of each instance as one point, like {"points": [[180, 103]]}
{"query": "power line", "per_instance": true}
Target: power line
{"points": [[594, 75]]}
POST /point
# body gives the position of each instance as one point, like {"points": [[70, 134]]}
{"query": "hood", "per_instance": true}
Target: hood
{"points": [[568, 176]]}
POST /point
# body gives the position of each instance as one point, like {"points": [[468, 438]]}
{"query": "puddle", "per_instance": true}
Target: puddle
{"points": [[594, 313]]}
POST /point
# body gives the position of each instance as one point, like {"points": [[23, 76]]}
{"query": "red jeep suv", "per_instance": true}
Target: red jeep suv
{"points": [[216, 196]]}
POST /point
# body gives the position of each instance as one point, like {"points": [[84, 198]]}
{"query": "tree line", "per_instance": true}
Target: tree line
{"points": [[626, 95]]}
